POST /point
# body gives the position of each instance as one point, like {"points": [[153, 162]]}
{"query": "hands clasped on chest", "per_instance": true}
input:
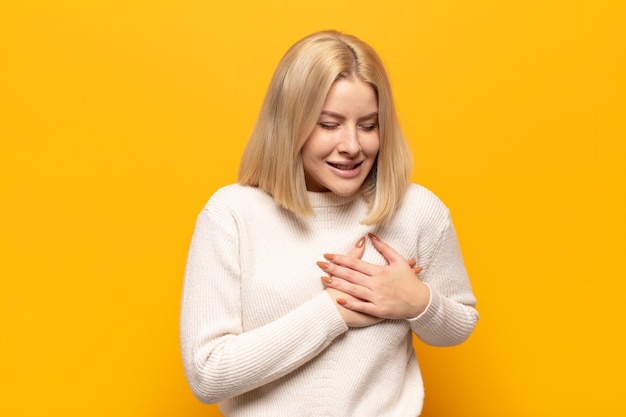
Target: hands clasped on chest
{"points": [[366, 293]]}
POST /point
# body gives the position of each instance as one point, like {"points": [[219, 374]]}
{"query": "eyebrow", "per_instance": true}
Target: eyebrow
{"points": [[341, 117]]}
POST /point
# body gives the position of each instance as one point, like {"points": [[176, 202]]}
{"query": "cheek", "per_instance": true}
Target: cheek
{"points": [[371, 146], [309, 159], [307, 155], [316, 147]]}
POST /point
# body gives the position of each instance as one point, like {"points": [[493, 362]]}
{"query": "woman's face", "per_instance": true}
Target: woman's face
{"points": [[341, 150]]}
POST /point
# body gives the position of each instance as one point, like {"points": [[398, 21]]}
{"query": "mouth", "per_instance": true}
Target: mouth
{"points": [[346, 170], [345, 166]]}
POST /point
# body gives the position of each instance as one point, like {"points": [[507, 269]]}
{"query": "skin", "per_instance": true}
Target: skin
{"points": [[355, 311], [342, 148], [389, 291], [337, 157]]}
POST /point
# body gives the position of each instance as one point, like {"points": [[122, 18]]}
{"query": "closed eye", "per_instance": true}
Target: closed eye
{"points": [[328, 126], [369, 127]]}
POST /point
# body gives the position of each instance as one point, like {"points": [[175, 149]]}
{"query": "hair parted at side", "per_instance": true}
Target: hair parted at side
{"points": [[294, 101]]}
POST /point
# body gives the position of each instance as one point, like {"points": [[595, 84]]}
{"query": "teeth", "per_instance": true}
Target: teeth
{"points": [[345, 166]]}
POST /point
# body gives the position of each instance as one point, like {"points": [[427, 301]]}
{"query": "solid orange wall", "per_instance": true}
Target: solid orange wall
{"points": [[119, 119]]}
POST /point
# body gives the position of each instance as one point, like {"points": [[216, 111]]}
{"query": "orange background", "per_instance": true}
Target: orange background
{"points": [[119, 119]]}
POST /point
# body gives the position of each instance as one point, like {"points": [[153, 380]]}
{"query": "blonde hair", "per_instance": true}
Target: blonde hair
{"points": [[294, 101]]}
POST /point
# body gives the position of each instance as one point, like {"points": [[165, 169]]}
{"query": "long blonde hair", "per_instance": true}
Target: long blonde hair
{"points": [[294, 101]]}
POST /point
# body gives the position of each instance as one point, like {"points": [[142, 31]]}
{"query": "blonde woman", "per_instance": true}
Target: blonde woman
{"points": [[301, 292]]}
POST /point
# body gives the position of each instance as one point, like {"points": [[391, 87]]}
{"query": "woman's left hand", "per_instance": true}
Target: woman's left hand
{"points": [[389, 291]]}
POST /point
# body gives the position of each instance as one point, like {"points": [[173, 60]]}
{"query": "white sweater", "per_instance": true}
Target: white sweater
{"points": [[260, 335]]}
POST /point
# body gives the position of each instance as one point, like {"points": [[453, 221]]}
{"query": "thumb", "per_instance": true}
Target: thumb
{"points": [[358, 249]]}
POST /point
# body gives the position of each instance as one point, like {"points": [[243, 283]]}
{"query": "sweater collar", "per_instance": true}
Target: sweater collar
{"points": [[329, 199]]}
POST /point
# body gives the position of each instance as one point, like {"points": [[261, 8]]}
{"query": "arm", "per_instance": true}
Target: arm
{"points": [[220, 359], [451, 315], [440, 309]]}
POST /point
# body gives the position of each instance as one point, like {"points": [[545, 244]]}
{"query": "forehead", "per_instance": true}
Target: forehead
{"points": [[351, 95]]}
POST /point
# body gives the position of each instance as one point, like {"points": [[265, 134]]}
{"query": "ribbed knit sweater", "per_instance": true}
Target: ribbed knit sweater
{"points": [[260, 335]]}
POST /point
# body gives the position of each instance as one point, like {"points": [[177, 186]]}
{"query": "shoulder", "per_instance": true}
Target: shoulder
{"points": [[418, 197], [237, 198], [234, 193], [421, 208]]}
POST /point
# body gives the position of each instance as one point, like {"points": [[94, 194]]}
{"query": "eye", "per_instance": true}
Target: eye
{"points": [[369, 127], [328, 126]]}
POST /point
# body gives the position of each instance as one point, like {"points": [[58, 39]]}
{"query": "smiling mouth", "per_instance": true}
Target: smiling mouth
{"points": [[345, 167]]}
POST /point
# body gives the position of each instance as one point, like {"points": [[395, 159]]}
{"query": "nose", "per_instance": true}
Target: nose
{"points": [[349, 143]]}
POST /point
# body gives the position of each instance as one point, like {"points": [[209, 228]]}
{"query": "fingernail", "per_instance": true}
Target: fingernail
{"points": [[341, 301], [412, 263], [373, 236], [322, 265], [418, 269], [360, 242], [327, 280], [329, 256]]}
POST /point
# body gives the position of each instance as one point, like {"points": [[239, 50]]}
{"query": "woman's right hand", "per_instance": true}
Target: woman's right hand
{"points": [[353, 318]]}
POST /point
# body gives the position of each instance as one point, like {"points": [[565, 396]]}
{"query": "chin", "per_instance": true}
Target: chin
{"points": [[345, 191]]}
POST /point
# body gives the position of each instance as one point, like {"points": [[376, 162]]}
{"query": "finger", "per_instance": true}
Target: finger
{"points": [[387, 251], [358, 249], [358, 305], [351, 263], [346, 287], [347, 273]]}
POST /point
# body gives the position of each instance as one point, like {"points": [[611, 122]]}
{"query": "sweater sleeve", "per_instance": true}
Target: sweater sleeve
{"points": [[219, 358], [451, 315]]}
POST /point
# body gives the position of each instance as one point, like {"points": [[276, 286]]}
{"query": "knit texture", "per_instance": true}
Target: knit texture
{"points": [[260, 335]]}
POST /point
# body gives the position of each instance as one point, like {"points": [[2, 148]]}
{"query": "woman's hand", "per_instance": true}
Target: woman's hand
{"points": [[351, 317], [389, 291]]}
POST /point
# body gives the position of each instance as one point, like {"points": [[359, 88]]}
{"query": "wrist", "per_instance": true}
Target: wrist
{"points": [[421, 300]]}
